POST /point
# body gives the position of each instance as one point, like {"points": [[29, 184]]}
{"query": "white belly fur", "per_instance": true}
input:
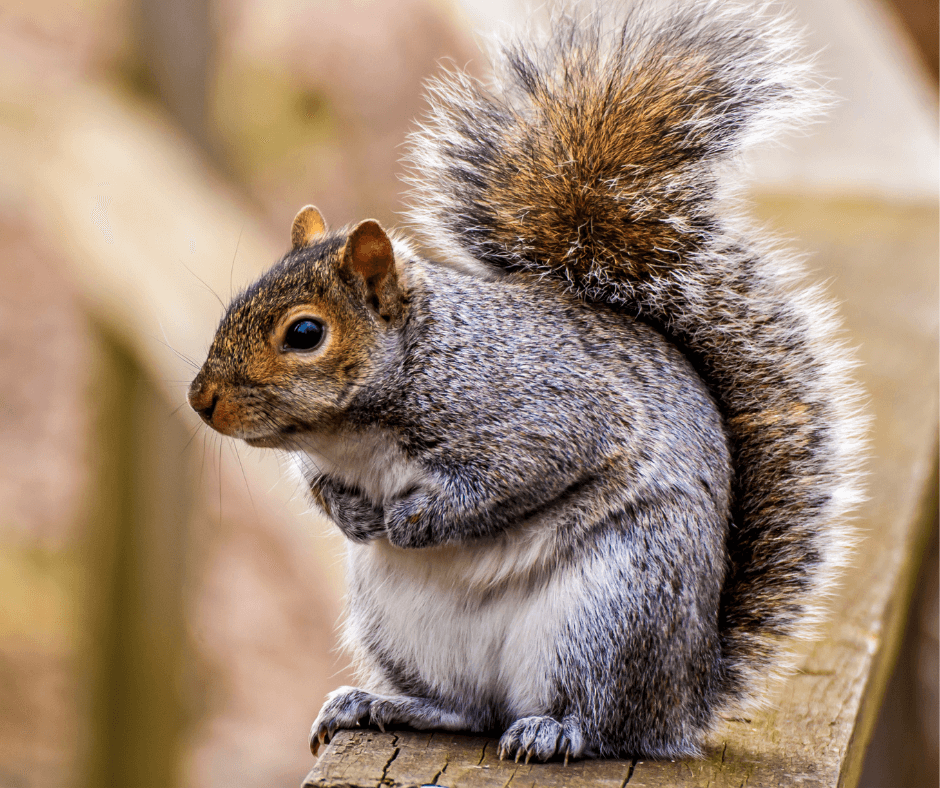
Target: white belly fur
{"points": [[368, 461], [460, 635], [466, 619]]}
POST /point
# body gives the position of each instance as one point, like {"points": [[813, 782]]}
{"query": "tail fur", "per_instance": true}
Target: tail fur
{"points": [[601, 158]]}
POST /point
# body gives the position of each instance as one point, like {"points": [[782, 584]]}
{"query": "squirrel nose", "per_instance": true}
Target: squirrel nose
{"points": [[203, 400]]}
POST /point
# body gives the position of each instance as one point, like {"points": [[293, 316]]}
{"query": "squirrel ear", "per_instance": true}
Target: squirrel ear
{"points": [[307, 227], [368, 256]]}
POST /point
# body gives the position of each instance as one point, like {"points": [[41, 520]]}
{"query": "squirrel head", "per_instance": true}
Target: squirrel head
{"points": [[293, 349]]}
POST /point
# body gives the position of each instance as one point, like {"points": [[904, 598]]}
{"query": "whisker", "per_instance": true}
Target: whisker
{"points": [[219, 473], [234, 448], [202, 467], [177, 409], [205, 284], [181, 356], [231, 272], [195, 432]]}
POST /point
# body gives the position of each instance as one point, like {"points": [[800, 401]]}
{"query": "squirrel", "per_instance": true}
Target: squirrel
{"points": [[595, 460]]}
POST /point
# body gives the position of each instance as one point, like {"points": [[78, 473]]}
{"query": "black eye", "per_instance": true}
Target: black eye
{"points": [[304, 334]]}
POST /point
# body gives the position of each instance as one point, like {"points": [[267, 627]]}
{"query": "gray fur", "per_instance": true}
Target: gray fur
{"points": [[610, 492], [602, 158], [591, 486]]}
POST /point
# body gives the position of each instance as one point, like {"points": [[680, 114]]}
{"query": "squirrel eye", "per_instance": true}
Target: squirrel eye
{"points": [[303, 334]]}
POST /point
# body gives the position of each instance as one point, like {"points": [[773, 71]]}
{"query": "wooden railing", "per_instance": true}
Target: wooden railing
{"points": [[882, 262]]}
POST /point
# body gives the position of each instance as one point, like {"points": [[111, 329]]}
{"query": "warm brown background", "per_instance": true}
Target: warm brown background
{"points": [[285, 102]]}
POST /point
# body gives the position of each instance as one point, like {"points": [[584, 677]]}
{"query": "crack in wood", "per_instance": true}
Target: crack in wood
{"points": [[630, 772], [441, 771], [483, 753], [383, 780]]}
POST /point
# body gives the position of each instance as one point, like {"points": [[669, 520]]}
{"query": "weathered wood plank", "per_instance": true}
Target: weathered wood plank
{"points": [[405, 758], [883, 261]]}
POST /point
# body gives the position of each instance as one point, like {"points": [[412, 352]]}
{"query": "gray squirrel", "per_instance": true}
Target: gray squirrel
{"points": [[595, 461]]}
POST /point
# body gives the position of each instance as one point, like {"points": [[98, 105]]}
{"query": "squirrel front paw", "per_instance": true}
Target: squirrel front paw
{"points": [[543, 738], [408, 521], [354, 514]]}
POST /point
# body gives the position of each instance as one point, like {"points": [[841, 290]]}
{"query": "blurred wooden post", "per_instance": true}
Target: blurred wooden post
{"points": [[176, 45], [134, 210], [136, 552]]}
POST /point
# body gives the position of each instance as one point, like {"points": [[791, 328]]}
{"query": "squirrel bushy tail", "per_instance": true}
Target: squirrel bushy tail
{"points": [[600, 158]]}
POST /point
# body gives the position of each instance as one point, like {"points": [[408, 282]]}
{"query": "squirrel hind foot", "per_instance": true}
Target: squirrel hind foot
{"points": [[542, 738], [349, 707]]}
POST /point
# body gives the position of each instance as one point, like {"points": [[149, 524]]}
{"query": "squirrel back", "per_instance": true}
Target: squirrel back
{"points": [[601, 160]]}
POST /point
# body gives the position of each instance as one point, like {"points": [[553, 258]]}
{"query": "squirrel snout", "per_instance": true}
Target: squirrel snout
{"points": [[212, 400], [203, 399]]}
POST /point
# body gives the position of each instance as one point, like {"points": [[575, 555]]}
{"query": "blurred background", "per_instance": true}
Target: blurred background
{"points": [[168, 604]]}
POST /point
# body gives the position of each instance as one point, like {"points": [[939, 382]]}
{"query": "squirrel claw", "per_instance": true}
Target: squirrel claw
{"points": [[318, 737]]}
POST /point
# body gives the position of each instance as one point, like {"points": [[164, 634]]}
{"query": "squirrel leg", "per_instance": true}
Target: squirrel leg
{"points": [[444, 514], [348, 707], [458, 507], [356, 516], [543, 738]]}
